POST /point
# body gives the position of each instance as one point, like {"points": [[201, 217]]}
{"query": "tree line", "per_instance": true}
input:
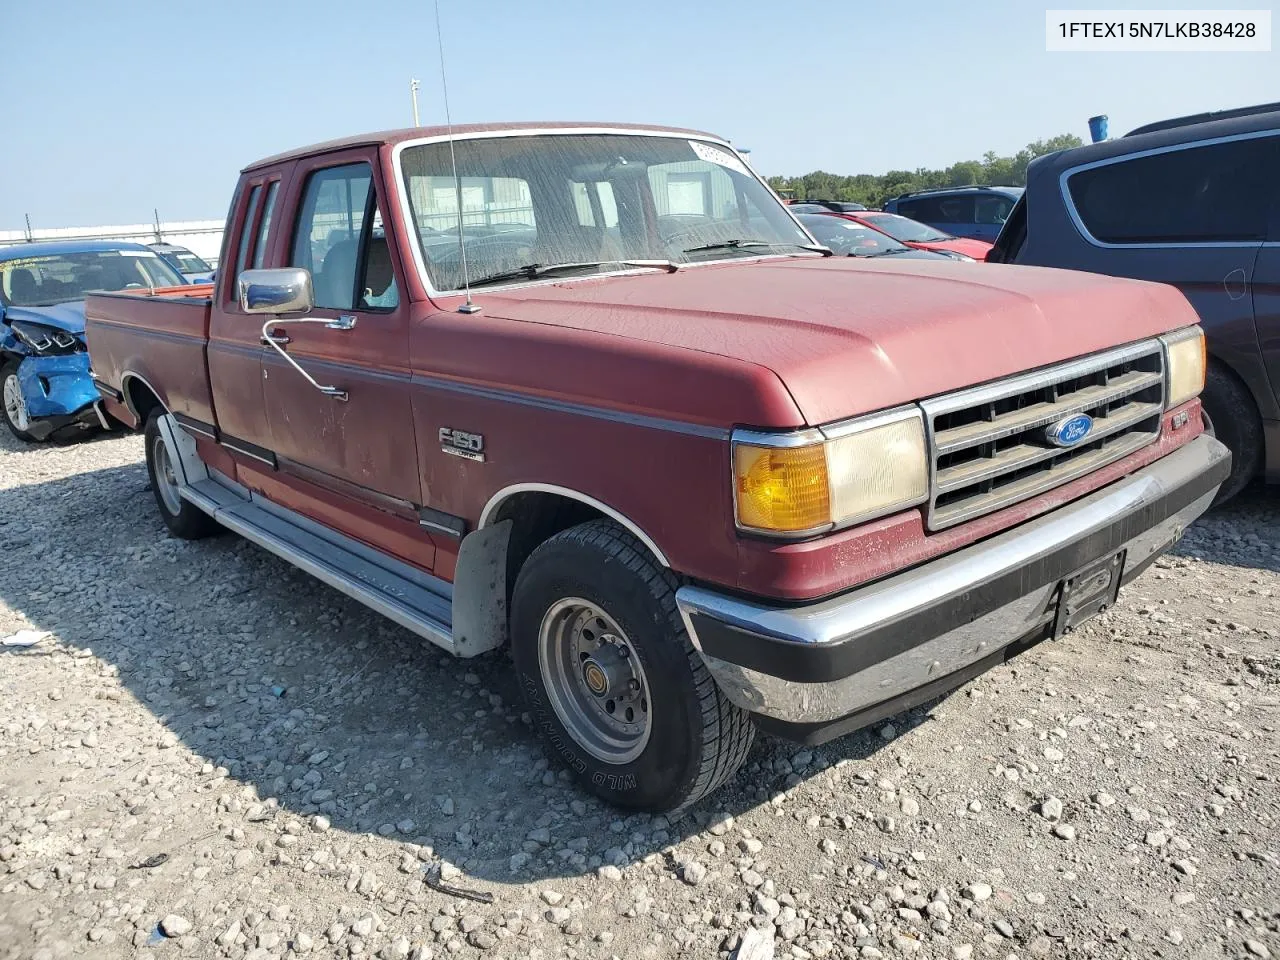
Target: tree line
{"points": [[872, 189]]}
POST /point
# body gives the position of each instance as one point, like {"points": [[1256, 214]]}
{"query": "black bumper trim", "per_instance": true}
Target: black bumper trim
{"points": [[822, 663], [107, 390], [821, 731]]}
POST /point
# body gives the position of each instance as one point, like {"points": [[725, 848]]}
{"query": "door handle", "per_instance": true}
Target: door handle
{"points": [[276, 338], [274, 341], [344, 322]]}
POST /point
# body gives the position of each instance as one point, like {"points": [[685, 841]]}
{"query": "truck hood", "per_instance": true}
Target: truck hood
{"points": [[62, 316], [848, 336]]}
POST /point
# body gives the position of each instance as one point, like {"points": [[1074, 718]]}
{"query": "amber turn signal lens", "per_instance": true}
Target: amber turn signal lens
{"points": [[782, 488]]}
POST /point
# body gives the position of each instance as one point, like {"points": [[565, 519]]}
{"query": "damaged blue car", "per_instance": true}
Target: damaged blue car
{"points": [[45, 383]]}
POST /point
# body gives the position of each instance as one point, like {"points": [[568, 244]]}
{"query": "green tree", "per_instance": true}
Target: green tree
{"points": [[873, 189]]}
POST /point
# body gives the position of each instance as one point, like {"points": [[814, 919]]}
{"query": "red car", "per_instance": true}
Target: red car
{"points": [[905, 230]]}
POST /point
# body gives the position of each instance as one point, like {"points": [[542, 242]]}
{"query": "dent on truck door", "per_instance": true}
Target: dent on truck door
{"points": [[361, 441]]}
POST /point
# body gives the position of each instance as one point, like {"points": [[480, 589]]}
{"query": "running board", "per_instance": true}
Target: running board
{"points": [[398, 591]]}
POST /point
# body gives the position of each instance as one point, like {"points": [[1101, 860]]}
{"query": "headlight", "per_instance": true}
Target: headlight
{"points": [[1185, 362], [812, 481], [44, 340]]}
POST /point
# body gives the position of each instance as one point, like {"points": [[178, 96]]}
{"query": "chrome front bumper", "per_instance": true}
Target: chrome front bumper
{"points": [[823, 669]]}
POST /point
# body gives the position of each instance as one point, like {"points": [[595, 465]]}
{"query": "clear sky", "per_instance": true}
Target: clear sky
{"points": [[111, 108]]}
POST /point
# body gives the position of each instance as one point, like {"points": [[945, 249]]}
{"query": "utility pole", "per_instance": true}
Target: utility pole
{"points": [[413, 92]]}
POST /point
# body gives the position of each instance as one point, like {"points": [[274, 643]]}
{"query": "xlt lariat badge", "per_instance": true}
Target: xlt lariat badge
{"points": [[459, 443]]}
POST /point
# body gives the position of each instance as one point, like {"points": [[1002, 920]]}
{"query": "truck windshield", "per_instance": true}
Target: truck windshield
{"points": [[593, 199], [41, 281]]}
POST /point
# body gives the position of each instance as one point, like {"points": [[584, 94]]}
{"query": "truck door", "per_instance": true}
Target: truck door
{"points": [[358, 439]]}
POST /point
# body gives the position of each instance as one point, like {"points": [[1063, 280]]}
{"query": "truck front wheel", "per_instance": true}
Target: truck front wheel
{"points": [[615, 688], [184, 520]]}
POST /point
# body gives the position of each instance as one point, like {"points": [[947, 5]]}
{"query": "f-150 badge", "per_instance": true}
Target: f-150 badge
{"points": [[459, 443]]}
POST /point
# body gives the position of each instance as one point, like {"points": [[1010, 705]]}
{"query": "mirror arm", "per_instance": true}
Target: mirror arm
{"points": [[274, 342]]}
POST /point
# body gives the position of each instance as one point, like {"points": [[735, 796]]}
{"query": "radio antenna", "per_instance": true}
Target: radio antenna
{"points": [[467, 307]]}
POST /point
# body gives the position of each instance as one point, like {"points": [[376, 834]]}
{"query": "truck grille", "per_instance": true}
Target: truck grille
{"points": [[990, 446]]}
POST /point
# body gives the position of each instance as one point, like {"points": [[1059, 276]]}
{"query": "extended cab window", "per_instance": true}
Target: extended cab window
{"points": [[339, 237], [246, 230], [260, 245], [1217, 193]]}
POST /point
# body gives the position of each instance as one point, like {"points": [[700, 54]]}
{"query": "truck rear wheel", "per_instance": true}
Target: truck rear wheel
{"points": [[616, 690], [184, 520]]}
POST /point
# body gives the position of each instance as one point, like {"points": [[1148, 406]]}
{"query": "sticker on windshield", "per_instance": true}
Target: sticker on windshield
{"points": [[134, 253], [723, 158]]}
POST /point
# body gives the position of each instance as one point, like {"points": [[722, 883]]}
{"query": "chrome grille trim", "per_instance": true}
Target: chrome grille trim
{"points": [[997, 454]]}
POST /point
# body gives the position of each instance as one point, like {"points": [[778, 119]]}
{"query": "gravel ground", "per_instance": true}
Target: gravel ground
{"points": [[216, 756]]}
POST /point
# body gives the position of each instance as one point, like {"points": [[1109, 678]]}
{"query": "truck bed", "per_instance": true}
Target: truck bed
{"points": [[136, 335]]}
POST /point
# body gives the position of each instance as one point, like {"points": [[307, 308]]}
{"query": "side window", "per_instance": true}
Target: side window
{"points": [[326, 240], [1202, 194], [955, 210], [939, 209], [242, 251], [340, 238], [992, 208], [377, 281], [260, 245]]}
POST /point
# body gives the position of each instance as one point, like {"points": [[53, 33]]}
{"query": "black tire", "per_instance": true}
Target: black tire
{"points": [[184, 519], [1232, 417], [697, 737], [7, 370]]}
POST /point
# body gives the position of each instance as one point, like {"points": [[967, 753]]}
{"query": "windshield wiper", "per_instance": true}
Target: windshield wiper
{"points": [[885, 253], [740, 244], [534, 271]]}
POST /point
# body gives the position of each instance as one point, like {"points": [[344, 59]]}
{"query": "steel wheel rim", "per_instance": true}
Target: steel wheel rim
{"points": [[15, 406], [594, 680], [166, 482]]}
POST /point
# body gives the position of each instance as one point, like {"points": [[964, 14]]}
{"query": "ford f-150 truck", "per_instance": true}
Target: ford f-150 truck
{"points": [[591, 391]]}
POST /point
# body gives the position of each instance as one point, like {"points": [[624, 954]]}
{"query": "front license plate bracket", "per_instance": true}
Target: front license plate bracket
{"points": [[1088, 592]]}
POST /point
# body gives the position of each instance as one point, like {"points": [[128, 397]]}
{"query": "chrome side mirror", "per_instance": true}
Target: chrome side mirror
{"points": [[282, 290]]}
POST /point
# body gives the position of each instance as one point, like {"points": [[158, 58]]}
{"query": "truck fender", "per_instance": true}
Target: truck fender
{"points": [[181, 447], [479, 590]]}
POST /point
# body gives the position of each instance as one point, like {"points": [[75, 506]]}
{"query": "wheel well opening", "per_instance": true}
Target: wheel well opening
{"points": [[536, 517], [141, 399]]}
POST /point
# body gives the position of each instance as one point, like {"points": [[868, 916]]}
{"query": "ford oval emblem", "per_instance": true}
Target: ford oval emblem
{"points": [[1069, 431]]}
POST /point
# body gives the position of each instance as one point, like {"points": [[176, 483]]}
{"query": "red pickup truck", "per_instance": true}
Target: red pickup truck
{"points": [[592, 392]]}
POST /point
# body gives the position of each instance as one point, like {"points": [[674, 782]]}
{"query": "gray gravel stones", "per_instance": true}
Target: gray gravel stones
{"points": [[205, 701], [1051, 809], [174, 925]]}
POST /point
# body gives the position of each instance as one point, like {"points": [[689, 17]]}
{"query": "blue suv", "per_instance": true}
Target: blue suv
{"points": [[977, 212]]}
